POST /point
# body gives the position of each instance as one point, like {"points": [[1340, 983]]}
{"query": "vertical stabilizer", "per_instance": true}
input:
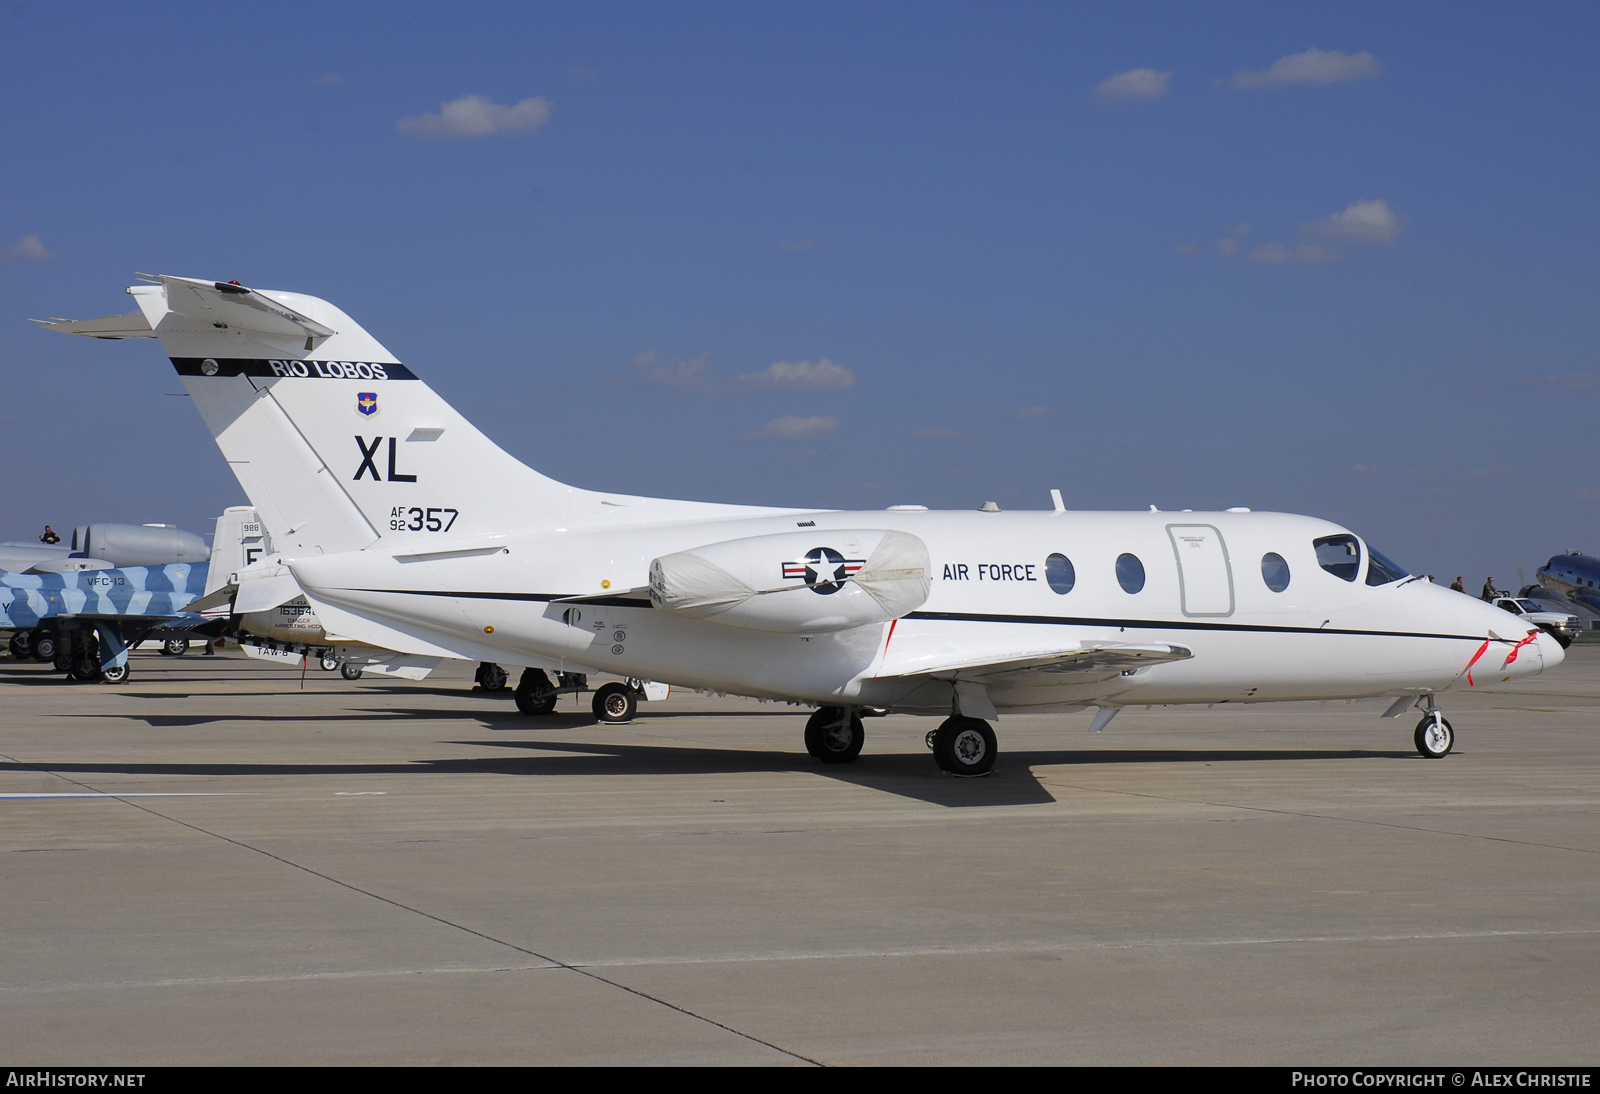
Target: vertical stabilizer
{"points": [[336, 443]]}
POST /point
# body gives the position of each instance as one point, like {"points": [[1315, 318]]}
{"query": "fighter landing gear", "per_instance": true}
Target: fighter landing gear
{"points": [[835, 735], [964, 746]]}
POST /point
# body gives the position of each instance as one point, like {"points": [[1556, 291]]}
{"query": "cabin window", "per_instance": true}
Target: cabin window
{"points": [[1059, 573], [1339, 555], [1381, 571], [1275, 572], [1130, 573]]}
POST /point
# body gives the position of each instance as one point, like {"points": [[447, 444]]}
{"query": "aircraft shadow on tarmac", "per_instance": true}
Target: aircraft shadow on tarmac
{"points": [[909, 775]]}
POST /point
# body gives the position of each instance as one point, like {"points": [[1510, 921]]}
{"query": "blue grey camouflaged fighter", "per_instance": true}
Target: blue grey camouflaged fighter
{"points": [[86, 621]]}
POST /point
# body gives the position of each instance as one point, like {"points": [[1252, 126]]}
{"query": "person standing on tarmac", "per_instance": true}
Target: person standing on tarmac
{"points": [[1488, 590], [49, 536], [1457, 585]]}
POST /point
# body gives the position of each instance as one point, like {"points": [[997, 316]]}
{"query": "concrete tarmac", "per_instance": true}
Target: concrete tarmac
{"points": [[210, 865]]}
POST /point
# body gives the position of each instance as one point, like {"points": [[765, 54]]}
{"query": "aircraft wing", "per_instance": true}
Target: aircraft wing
{"points": [[1098, 661]]}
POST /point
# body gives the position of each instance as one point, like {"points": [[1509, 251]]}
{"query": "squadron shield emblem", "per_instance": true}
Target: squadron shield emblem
{"points": [[367, 403]]}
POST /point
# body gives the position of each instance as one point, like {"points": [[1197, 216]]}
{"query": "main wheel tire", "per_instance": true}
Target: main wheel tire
{"points": [[20, 647], [116, 674], [965, 746], [330, 663], [175, 647], [350, 671], [85, 669], [835, 735], [534, 694], [45, 646], [615, 704], [63, 661], [1434, 738], [491, 677]]}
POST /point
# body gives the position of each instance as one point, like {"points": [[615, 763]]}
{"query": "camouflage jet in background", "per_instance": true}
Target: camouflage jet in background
{"points": [[85, 621]]}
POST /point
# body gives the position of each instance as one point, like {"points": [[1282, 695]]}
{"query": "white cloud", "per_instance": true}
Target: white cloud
{"points": [[27, 249], [1272, 254], [1360, 222], [475, 116], [1139, 85], [792, 428], [693, 372], [1314, 66], [824, 375]]}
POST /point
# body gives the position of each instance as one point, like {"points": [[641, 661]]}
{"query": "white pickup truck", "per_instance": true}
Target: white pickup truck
{"points": [[1561, 626]]}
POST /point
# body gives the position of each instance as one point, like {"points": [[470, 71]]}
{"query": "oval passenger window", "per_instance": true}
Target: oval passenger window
{"points": [[1274, 571], [1130, 573], [1059, 573]]}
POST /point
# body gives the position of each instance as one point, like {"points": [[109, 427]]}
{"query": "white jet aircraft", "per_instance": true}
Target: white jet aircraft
{"points": [[407, 528]]}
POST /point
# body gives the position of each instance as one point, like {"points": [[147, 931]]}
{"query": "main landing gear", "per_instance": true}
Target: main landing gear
{"points": [[961, 746], [964, 746], [613, 704], [835, 735]]}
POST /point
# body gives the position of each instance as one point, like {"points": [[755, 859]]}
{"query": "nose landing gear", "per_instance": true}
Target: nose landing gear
{"points": [[1435, 737]]}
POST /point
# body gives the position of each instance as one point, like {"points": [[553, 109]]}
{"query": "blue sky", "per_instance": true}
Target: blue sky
{"points": [[1327, 259]]}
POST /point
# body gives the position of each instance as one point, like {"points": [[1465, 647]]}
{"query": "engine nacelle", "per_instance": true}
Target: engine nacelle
{"points": [[139, 544], [796, 582]]}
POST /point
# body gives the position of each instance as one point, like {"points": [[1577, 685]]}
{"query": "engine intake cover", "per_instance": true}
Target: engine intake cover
{"points": [[796, 582]]}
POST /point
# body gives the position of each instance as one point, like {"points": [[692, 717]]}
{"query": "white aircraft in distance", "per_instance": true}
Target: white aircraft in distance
{"points": [[273, 622], [407, 528]]}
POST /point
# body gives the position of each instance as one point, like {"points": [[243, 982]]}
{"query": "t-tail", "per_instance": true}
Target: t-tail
{"points": [[336, 443]]}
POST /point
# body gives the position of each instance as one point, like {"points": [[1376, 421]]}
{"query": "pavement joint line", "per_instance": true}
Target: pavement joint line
{"points": [[429, 915], [1332, 817], [816, 955]]}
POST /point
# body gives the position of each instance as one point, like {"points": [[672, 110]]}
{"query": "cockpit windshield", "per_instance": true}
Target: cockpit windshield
{"points": [[1381, 571], [1339, 555]]}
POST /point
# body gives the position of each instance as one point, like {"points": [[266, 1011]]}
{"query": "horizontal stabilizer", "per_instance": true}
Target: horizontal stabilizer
{"points": [[265, 593], [109, 326], [217, 598], [231, 305]]}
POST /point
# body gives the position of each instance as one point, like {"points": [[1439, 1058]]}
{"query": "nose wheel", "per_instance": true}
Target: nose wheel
{"points": [[1435, 737]]}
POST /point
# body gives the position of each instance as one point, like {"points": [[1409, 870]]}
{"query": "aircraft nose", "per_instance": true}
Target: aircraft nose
{"points": [[1550, 651], [1530, 656]]}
